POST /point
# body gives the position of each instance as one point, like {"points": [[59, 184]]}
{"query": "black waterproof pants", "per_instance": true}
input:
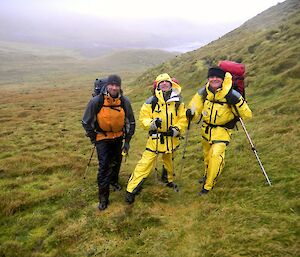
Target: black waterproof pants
{"points": [[110, 157]]}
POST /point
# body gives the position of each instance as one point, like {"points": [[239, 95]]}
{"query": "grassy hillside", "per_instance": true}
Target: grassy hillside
{"points": [[48, 209], [22, 62]]}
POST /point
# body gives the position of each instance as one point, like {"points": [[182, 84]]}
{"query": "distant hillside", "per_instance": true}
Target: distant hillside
{"points": [[24, 62], [269, 45], [48, 191], [133, 59]]}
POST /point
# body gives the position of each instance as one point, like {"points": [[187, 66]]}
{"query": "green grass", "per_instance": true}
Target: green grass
{"points": [[48, 209]]}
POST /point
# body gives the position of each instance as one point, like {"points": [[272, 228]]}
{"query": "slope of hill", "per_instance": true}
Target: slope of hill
{"points": [[24, 62], [48, 209]]}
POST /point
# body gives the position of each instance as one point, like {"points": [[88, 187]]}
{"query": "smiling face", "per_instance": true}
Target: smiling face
{"points": [[165, 85], [215, 82]]}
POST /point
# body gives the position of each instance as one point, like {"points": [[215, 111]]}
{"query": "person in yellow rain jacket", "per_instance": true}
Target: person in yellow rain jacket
{"points": [[219, 106], [164, 116]]}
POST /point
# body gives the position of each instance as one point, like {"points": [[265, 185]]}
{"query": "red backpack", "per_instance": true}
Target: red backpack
{"points": [[237, 70]]}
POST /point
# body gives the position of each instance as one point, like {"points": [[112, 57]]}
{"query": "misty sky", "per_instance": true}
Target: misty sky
{"points": [[165, 24]]}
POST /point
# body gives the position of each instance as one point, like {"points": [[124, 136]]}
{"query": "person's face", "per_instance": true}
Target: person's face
{"points": [[113, 89], [215, 82], [165, 85]]}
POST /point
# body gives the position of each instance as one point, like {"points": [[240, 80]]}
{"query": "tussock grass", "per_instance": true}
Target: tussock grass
{"points": [[47, 208]]}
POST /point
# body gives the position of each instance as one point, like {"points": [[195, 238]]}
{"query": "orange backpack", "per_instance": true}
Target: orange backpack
{"points": [[110, 117]]}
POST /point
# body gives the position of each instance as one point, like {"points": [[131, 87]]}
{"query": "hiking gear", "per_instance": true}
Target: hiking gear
{"points": [[92, 138], [237, 71], [159, 140], [217, 111], [110, 158], [111, 119], [129, 197], [255, 152], [104, 202], [163, 77], [99, 86], [163, 110], [116, 186], [216, 72], [154, 85], [125, 148], [203, 192], [154, 100], [88, 165], [144, 168], [90, 122], [155, 124], [173, 132], [214, 160], [164, 175], [202, 180], [189, 114], [184, 147], [173, 185], [114, 80], [156, 157]]}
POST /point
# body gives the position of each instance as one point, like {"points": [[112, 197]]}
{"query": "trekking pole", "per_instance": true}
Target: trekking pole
{"points": [[184, 148], [255, 152], [175, 188], [87, 167], [156, 157], [172, 156]]}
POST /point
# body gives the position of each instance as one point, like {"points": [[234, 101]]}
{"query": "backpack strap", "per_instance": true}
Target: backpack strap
{"points": [[203, 93], [232, 97], [100, 102], [154, 102], [177, 104]]}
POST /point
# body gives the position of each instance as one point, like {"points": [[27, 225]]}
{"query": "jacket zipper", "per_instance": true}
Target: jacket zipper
{"points": [[211, 116], [167, 124], [215, 117]]}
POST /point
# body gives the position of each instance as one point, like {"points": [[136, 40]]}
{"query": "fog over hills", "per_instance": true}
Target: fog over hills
{"points": [[93, 36]]}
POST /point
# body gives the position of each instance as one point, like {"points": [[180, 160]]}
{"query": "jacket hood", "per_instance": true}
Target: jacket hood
{"points": [[176, 88], [166, 76]]}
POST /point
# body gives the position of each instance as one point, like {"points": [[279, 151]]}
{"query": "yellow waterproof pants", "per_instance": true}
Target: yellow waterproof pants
{"points": [[144, 168], [214, 161]]}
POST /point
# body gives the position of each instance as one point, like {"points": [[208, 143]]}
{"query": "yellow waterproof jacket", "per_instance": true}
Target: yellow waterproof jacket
{"points": [[219, 110], [171, 112]]}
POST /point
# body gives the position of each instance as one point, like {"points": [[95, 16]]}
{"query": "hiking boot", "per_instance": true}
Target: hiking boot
{"points": [[173, 185], [103, 204], [202, 180], [203, 192], [129, 197], [116, 186]]}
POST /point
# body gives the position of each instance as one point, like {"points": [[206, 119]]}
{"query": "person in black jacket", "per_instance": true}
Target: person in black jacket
{"points": [[108, 120]]}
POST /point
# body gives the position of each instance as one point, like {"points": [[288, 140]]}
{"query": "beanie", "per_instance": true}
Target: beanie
{"points": [[114, 79], [216, 72]]}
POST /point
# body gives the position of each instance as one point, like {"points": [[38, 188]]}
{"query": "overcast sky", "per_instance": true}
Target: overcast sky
{"points": [[133, 23], [194, 10]]}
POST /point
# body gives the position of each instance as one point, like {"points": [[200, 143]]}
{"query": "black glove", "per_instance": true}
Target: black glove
{"points": [[173, 131], [155, 124], [126, 147], [92, 137], [189, 114]]}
